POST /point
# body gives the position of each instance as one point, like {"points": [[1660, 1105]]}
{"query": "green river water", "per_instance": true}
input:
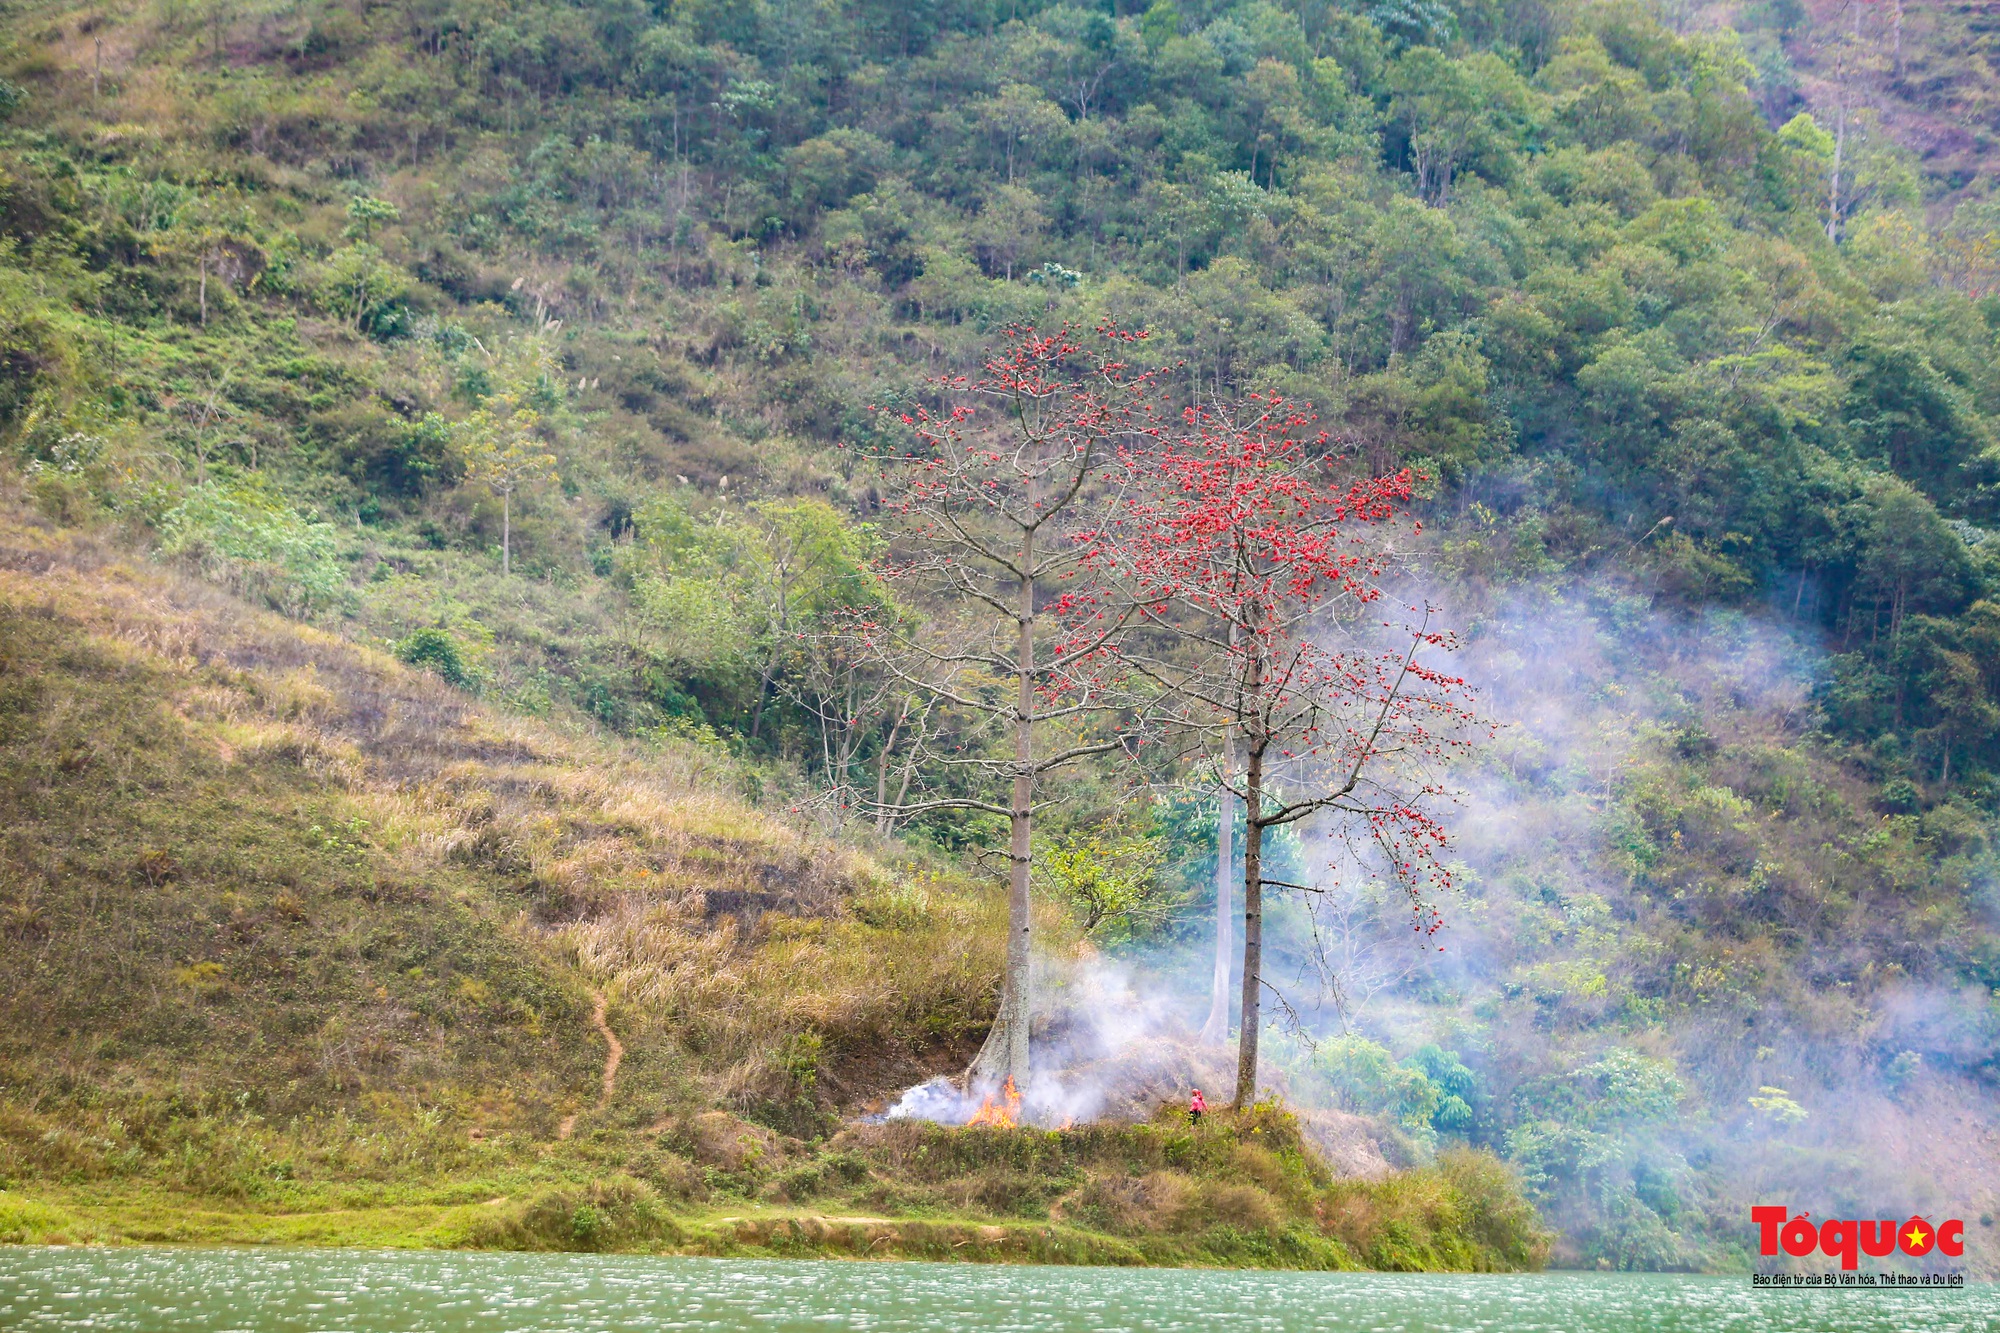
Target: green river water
{"points": [[350, 1291]]}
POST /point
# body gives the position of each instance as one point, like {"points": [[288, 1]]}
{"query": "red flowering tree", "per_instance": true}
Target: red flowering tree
{"points": [[999, 501], [1305, 698]]}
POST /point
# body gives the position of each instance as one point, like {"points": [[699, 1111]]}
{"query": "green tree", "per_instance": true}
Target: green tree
{"points": [[1441, 114], [504, 442], [365, 213], [757, 592], [364, 288], [1902, 411], [1109, 877]]}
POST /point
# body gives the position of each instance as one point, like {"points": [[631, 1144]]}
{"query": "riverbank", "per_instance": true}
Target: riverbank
{"points": [[1244, 1193], [62, 1217], [753, 1231]]}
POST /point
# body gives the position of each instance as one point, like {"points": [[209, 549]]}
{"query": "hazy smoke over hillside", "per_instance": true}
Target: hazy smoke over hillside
{"points": [[1664, 858], [1655, 868]]}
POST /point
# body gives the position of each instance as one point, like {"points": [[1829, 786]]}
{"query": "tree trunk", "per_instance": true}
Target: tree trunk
{"points": [[1839, 151], [882, 824], [1253, 929], [506, 533], [1005, 1054], [764, 681], [1215, 1029]]}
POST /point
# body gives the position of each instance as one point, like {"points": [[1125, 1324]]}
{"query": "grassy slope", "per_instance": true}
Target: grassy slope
{"points": [[302, 947], [1240, 1192]]}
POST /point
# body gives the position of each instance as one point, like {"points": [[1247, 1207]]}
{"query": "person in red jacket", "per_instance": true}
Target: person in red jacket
{"points": [[1195, 1107]]}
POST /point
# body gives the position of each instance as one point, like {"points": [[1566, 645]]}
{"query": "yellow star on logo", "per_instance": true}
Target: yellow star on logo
{"points": [[1916, 1236]]}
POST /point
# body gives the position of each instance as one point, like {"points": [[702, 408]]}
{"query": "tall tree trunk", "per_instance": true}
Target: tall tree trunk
{"points": [[1253, 928], [1215, 1029], [882, 772], [764, 682], [506, 533], [1839, 151], [1005, 1054]]}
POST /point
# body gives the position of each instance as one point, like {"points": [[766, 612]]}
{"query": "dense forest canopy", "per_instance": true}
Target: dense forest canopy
{"points": [[546, 342], [1557, 254]]}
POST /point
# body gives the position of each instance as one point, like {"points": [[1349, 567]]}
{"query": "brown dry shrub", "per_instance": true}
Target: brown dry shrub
{"points": [[1259, 1165], [998, 1191], [1244, 1207], [1126, 1206], [719, 1139]]}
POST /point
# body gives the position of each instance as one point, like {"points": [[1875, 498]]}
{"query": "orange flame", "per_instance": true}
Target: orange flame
{"points": [[1002, 1114]]}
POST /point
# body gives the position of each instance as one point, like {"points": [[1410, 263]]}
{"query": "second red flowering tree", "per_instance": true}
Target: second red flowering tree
{"points": [[1305, 689]]}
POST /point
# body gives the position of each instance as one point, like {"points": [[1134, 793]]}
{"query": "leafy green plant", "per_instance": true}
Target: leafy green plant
{"points": [[242, 533], [1110, 878], [438, 651]]}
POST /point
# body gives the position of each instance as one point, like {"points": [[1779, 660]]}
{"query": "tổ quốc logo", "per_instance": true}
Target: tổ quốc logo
{"points": [[1847, 1239]]}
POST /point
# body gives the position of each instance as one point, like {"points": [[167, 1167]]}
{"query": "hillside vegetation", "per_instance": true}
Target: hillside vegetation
{"points": [[303, 946], [534, 344]]}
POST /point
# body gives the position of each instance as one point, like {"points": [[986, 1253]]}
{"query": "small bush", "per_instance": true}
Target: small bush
{"points": [[437, 651], [671, 1175], [822, 1175], [615, 1214], [1467, 1212]]}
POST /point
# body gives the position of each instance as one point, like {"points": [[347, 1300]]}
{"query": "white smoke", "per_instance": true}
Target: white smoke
{"points": [[1111, 1040]]}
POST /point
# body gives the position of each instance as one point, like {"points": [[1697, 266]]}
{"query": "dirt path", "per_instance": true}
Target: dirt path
{"points": [[614, 1052]]}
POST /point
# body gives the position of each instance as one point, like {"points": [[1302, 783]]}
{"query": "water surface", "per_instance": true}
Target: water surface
{"points": [[351, 1291]]}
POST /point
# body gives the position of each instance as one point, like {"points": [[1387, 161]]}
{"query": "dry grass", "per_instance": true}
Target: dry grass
{"points": [[775, 964]]}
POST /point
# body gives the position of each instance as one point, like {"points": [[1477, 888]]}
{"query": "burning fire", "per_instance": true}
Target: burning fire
{"points": [[1002, 1114]]}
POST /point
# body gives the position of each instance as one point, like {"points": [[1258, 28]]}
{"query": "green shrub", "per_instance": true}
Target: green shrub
{"points": [[1495, 1215], [1467, 1212], [240, 533], [439, 652], [615, 1214]]}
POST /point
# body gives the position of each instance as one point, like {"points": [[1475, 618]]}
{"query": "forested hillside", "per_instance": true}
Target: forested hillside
{"points": [[543, 345]]}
